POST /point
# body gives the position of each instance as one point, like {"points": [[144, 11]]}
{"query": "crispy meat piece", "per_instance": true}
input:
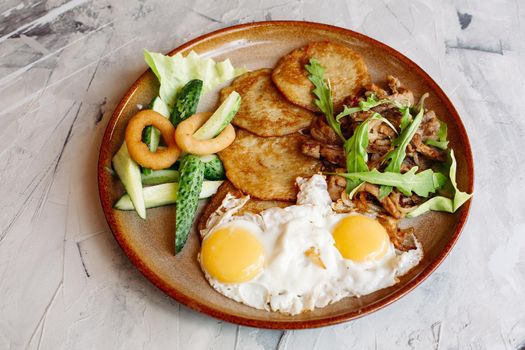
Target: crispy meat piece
{"points": [[322, 132], [334, 154], [376, 90], [336, 185], [429, 126], [380, 137], [389, 203], [427, 151], [399, 93], [403, 239]]}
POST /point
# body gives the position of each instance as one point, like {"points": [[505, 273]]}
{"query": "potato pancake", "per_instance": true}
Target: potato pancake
{"points": [[266, 167], [264, 110], [344, 69]]}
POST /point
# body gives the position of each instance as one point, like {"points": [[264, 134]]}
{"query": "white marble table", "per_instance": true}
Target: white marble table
{"points": [[64, 282]]}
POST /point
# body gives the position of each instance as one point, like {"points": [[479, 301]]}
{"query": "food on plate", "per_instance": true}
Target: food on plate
{"points": [[128, 172], [387, 151], [266, 167], [187, 101], [309, 188], [264, 110], [151, 135], [213, 168], [182, 81], [345, 69], [140, 152], [253, 205], [185, 136], [165, 194], [190, 185], [221, 118], [297, 258], [173, 72], [157, 177]]}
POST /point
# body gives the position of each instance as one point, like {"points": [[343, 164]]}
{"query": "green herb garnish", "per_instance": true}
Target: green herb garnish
{"points": [[324, 95], [355, 149], [422, 183], [396, 156], [442, 142], [364, 106]]}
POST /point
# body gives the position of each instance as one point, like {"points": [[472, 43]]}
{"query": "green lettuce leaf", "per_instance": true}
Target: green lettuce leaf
{"points": [[440, 203], [355, 149], [422, 183], [323, 94], [175, 71]]}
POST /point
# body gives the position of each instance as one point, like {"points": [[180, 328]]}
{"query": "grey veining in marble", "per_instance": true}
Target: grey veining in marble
{"points": [[64, 282]]}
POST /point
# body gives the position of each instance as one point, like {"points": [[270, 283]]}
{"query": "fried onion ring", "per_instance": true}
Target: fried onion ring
{"points": [[186, 141], [164, 157]]}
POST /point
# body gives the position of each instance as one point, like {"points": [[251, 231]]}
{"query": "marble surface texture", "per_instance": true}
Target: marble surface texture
{"points": [[64, 282]]}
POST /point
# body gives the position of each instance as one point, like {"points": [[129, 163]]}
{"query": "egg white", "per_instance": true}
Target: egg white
{"points": [[290, 281]]}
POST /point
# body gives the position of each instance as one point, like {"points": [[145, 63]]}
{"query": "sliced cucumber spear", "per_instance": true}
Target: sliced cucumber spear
{"points": [[151, 135], [129, 173], [220, 118], [187, 101], [190, 184], [157, 177], [213, 168], [165, 194]]}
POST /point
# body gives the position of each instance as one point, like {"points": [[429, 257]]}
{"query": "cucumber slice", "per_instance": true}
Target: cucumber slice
{"points": [[157, 177], [213, 168], [220, 118], [165, 194], [209, 188], [129, 173], [151, 135], [160, 107], [190, 184], [187, 101], [154, 196]]}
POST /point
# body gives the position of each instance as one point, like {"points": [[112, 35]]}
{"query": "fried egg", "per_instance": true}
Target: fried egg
{"points": [[301, 257]]}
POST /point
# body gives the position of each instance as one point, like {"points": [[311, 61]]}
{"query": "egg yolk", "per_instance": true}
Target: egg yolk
{"points": [[360, 238], [232, 255]]}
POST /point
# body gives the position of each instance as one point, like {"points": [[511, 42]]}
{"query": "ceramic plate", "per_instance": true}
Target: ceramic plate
{"points": [[150, 244]]}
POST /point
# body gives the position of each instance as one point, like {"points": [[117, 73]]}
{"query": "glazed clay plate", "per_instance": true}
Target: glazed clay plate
{"points": [[150, 244]]}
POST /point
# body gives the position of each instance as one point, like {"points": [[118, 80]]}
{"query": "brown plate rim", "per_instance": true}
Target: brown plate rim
{"points": [[105, 156]]}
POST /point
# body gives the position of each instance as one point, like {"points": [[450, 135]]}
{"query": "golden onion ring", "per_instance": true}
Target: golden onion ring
{"points": [[164, 157], [187, 143]]}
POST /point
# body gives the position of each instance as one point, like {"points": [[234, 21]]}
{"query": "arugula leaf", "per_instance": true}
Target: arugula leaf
{"points": [[406, 117], [398, 154], [324, 95], [346, 111], [440, 203], [422, 183], [442, 142], [355, 149]]}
